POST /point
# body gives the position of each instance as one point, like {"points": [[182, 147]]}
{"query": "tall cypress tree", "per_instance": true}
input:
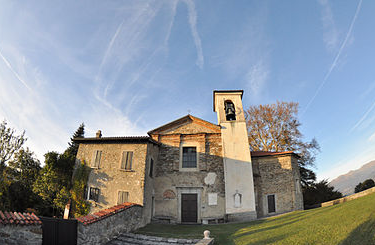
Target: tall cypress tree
{"points": [[73, 146]]}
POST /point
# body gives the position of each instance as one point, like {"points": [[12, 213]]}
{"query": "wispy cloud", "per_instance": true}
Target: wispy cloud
{"points": [[363, 118], [330, 33], [257, 78], [193, 26], [334, 63]]}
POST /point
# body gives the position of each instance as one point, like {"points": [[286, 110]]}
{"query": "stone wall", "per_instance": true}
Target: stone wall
{"points": [[348, 198], [149, 191], [207, 179], [277, 175], [105, 230], [109, 178], [21, 234]]}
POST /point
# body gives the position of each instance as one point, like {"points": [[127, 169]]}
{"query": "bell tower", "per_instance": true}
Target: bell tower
{"points": [[238, 173]]}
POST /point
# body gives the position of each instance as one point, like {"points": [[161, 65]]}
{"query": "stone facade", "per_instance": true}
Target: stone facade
{"points": [[226, 181], [110, 179], [277, 175], [21, 234], [207, 179]]}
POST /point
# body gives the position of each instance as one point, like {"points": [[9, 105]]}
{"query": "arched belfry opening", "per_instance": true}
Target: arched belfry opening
{"points": [[230, 111]]}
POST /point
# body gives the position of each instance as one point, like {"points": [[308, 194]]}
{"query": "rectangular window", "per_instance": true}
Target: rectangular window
{"points": [[189, 157], [94, 194], [271, 203], [85, 190], [126, 160], [123, 196], [96, 160], [151, 167]]}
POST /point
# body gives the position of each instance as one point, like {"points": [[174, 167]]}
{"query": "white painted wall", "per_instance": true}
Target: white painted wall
{"points": [[238, 172]]}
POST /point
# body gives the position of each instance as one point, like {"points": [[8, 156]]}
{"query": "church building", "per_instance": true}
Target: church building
{"points": [[193, 171]]}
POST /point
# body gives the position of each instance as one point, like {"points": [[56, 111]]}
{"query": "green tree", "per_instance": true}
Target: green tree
{"points": [[275, 127], [369, 183], [9, 143], [80, 206], [54, 184], [49, 183], [20, 175], [319, 192], [73, 146]]}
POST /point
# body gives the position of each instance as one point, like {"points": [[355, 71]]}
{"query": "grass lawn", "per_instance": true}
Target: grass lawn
{"points": [[352, 222]]}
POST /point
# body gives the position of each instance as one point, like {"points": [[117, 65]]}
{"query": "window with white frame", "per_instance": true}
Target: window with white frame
{"points": [[123, 196], [189, 157], [95, 163], [126, 160]]}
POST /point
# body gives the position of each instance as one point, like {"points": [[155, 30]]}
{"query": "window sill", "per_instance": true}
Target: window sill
{"points": [[124, 170], [188, 169]]}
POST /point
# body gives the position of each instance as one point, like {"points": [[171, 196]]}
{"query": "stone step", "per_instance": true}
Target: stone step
{"points": [[139, 239]]}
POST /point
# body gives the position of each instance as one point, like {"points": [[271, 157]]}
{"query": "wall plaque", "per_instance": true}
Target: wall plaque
{"points": [[212, 199]]}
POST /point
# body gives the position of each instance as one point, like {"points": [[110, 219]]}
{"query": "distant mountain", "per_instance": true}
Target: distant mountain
{"points": [[345, 183]]}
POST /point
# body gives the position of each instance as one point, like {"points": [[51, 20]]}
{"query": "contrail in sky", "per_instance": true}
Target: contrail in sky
{"points": [[363, 117], [14, 72], [333, 65]]}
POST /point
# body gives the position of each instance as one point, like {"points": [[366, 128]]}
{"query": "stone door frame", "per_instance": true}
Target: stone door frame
{"points": [[265, 204], [189, 190]]}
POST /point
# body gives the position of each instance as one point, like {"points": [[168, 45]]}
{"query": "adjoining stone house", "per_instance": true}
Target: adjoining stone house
{"points": [[193, 171]]}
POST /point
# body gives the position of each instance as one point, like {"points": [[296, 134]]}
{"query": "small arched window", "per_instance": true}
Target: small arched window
{"points": [[230, 111]]}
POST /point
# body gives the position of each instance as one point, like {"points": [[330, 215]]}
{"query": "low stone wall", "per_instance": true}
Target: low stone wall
{"points": [[20, 234], [93, 229], [348, 198]]}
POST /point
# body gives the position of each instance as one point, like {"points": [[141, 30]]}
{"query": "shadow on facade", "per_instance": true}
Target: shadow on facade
{"points": [[272, 175], [99, 179]]}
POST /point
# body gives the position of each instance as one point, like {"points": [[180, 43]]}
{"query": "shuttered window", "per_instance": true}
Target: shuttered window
{"points": [[96, 159], [123, 196], [189, 157], [127, 160], [94, 194]]}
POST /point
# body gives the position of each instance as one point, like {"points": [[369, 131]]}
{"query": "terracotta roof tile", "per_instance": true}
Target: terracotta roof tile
{"points": [[270, 153], [19, 218], [91, 218]]}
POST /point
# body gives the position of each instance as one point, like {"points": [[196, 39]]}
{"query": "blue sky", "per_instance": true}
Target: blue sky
{"points": [[126, 67]]}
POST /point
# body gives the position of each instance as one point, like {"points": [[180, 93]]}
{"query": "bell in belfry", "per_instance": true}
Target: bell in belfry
{"points": [[230, 111]]}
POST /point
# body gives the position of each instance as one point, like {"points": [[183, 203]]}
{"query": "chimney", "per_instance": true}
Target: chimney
{"points": [[99, 134]]}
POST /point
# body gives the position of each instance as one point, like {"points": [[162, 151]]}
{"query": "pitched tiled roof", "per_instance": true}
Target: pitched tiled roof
{"points": [[16, 218], [270, 153], [184, 119], [91, 218]]}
